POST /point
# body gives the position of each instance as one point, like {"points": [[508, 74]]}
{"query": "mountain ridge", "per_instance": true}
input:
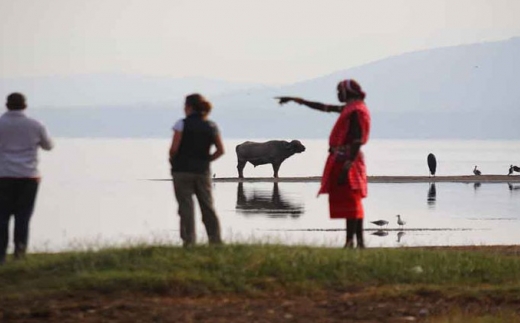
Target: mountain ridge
{"points": [[459, 92]]}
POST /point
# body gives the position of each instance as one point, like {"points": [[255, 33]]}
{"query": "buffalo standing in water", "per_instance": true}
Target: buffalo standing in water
{"points": [[272, 152], [432, 164]]}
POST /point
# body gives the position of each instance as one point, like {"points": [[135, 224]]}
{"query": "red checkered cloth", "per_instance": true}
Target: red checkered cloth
{"points": [[356, 179]]}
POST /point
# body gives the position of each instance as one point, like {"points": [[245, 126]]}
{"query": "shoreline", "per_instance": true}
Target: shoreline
{"points": [[376, 179]]}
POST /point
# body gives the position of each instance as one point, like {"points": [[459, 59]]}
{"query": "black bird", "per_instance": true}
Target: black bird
{"points": [[380, 222], [513, 169], [432, 164], [476, 171]]}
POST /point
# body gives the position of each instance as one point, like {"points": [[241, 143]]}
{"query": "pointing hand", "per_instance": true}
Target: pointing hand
{"points": [[285, 99]]}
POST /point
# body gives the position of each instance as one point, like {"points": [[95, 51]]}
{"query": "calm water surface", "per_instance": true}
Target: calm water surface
{"points": [[97, 192]]}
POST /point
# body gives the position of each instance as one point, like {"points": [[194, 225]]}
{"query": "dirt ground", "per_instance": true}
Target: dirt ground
{"points": [[357, 305], [327, 307]]}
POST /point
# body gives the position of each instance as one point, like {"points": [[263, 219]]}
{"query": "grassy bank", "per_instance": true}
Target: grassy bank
{"points": [[250, 270]]}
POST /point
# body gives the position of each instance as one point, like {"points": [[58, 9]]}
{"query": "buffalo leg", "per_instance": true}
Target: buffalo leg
{"points": [[276, 167], [240, 166]]}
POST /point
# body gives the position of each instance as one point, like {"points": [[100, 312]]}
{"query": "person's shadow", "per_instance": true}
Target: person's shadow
{"points": [[263, 202], [432, 195]]}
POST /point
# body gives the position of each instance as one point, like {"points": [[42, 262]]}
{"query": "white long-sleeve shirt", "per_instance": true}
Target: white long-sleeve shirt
{"points": [[20, 138]]}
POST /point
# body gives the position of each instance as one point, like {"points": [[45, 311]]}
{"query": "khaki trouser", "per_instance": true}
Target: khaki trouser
{"points": [[185, 185]]}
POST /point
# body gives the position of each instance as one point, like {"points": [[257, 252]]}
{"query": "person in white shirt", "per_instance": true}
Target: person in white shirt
{"points": [[20, 138]]}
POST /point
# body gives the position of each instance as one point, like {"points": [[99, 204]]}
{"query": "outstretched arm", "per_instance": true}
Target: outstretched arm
{"points": [[311, 104]]}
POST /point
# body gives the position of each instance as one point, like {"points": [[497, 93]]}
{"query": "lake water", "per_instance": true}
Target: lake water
{"points": [[98, 192]]}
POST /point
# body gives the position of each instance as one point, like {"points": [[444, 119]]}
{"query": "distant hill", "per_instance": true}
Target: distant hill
{"points": [[464, 92], [114, 90]]}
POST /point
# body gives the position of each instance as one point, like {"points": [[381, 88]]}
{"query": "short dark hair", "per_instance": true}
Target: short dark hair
{"points": [[198, 103], [16, 101]]}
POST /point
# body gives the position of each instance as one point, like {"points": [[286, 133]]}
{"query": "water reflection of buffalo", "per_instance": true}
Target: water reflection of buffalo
{"points": [[264, 202]]}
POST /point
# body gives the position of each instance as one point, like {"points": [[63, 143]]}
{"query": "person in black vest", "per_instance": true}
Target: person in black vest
{"points": [[190, 159]]}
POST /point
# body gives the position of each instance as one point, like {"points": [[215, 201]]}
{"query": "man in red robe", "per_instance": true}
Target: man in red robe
{"points": [[344, 177]]}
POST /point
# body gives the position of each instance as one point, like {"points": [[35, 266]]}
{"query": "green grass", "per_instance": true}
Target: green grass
{"points": [[262, 268]]}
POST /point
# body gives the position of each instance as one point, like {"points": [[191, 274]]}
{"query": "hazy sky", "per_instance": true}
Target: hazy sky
{"points": [[261, 41]]}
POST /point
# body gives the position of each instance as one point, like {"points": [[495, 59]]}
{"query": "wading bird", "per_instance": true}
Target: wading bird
{"points": [[476, 171], [380, 222], [513, 169], [432, 164], [400, 222]]}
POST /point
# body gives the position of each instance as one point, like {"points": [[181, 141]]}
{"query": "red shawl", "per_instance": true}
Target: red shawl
{"points": [[356, 179]]}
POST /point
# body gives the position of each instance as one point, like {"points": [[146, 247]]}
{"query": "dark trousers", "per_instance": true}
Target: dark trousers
{"points": [[355, 228], [17, 198], [186, 185]]}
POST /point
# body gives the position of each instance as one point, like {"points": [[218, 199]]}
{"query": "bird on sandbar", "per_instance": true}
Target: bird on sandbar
{"points": [[400, 222], [432, 164], [380, 223], [476, 171], [513, 169]]}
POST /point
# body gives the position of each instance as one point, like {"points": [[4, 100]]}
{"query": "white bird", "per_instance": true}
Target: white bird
{"points": [[399, 221]]}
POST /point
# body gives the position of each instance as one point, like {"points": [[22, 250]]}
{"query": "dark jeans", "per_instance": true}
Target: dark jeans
{"points": [[17, 198], [186, 185]]}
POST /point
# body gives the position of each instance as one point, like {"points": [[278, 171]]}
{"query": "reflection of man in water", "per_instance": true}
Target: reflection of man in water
{"points": [[20, 138], [273, 204]]}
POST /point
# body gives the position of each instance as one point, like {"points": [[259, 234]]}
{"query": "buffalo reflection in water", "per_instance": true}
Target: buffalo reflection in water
{"points": [[264, 202]]}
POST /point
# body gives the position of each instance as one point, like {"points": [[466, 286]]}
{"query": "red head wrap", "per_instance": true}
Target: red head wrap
{"points": [[349, 88]]}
